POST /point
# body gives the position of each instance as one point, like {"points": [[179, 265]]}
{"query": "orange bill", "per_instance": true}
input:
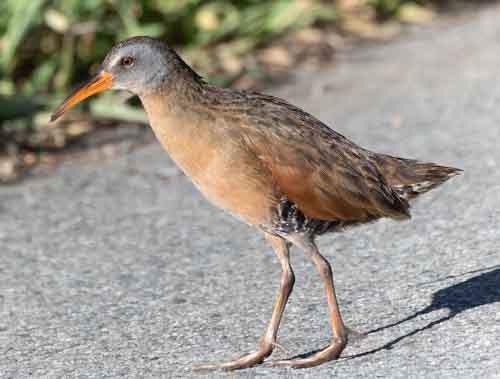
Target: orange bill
{"points": [[102, 82]]}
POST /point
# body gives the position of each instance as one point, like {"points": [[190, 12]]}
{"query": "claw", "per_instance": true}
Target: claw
{"points": [[246, 361], [282, 348], [354, 335], [329, 353]]}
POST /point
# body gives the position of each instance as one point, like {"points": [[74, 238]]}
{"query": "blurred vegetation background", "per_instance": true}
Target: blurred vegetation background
{"points": [[48, 46]]}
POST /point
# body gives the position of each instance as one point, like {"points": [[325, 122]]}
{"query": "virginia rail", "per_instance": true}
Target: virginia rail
{"points": [[267, 162]]}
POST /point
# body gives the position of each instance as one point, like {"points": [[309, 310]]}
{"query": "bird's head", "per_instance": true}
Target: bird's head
{"points": [[139, 65]]}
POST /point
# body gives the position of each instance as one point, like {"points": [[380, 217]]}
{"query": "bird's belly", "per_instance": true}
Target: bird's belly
{"points": [[224, 172], [236, 193]]}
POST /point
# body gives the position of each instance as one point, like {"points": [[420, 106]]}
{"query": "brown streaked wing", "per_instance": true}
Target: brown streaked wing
{"points": [[325, 174]]}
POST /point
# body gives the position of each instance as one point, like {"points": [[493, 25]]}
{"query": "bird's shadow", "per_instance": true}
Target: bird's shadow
{"points": [[479, 290]]}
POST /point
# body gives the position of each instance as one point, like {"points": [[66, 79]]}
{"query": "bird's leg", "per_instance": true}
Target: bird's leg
{"points": [[268, 341], [339, 340]]}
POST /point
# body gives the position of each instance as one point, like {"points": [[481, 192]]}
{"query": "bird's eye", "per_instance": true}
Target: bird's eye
{"points": [[127, 61]]}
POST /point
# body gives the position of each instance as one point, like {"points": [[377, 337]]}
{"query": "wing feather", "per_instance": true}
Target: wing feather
{"points": [[325, 174]]}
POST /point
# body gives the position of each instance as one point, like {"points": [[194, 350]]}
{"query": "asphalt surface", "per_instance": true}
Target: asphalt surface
{"points": [[124, 270]]}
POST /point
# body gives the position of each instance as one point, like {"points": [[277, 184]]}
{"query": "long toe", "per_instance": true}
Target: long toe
{"points": [[246, 361], [329, 353]]}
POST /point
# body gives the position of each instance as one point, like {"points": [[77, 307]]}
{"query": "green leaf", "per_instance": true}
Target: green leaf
{"points": [[16, 107], [24, 14]]}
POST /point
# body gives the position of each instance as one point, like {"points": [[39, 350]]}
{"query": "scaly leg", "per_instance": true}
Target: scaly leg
{"points": [[339, 340], [268, 341]]}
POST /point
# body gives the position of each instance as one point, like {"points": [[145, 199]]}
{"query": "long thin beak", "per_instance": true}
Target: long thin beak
{"points": [[101, 82]]}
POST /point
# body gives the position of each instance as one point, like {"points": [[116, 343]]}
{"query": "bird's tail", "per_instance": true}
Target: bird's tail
{"points": [[410, 178]]}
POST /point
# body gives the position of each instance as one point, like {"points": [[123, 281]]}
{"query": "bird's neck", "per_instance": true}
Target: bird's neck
{"points": [[181, 122], [173, 99]]}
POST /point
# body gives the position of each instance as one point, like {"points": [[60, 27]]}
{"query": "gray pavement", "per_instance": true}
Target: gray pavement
{"points": [[124, 270]]}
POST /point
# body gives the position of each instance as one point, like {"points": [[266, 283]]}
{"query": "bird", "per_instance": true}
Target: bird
{"points": [[268, 163]]}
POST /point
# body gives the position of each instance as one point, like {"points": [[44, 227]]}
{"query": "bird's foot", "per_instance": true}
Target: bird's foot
{"points": [[354, 335], [327, 354], [282, 348], [246, 361]]}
